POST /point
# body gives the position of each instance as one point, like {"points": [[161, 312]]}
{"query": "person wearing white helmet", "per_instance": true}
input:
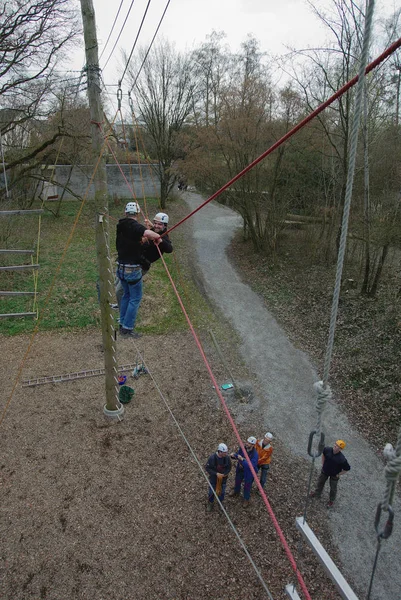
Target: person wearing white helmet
{"points": [[129, 270], [264, 449], [243, 473], [218, 466], [150, 253]]}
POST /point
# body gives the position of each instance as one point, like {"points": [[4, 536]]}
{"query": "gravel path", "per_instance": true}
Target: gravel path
{"points": [[288, 407]]}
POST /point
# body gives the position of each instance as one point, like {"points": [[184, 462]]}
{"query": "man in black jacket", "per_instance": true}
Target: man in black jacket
{"points": [[129, 270], [334, 464], [218, 466], [149, 251]]}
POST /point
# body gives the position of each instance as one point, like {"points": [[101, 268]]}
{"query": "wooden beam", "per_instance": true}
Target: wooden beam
{"points": [[292, 592], [7, 251], [17, 293], [34, 211], [334, 573], [16, 315], [19, 267]]}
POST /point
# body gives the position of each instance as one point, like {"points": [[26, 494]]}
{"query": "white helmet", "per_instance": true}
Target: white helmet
{"points": [[222, 448], [162, 217], [269, 436], [132, 208], [251, 440]]}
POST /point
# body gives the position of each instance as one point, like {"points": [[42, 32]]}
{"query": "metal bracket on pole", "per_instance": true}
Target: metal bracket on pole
{"points": [[334, 573], [119, 95]]}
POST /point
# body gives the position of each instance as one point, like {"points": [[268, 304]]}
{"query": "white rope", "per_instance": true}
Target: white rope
{"points": [[255, 568], [349, 186], [392, 471], [321, 387]]}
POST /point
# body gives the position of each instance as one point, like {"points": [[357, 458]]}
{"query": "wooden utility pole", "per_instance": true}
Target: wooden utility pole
{"points": [[106, 277]]}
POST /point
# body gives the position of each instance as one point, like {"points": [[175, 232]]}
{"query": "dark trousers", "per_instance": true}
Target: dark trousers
{"points": [[239, 478], [333, 485], [264, 469]]}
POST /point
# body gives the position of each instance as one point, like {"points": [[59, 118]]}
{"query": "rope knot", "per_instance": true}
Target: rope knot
{"points": [[323, 395], [392, 470]]}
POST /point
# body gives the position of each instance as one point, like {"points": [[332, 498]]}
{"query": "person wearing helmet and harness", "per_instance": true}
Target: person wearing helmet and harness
{"points": [[243, 473], [265, 451], [129, 269], [149, 252], [218, 466]]}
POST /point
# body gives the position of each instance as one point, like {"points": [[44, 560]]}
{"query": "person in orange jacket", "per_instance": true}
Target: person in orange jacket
{"points": [[265, 451]]}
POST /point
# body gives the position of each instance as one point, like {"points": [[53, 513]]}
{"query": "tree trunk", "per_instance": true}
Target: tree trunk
{"points": [[373, 290]]}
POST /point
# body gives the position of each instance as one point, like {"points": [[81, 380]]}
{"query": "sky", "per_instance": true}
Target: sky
{"points": [[275, 23]]}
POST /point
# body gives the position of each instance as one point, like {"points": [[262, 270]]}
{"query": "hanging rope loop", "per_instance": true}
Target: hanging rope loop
{"points": [[320, 445], [385, 533]]}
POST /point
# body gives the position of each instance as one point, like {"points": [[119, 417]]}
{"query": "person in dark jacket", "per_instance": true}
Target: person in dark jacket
{"points": [[129, 270], [334, 464], [218, 466], [149, 251], [243, 473]]}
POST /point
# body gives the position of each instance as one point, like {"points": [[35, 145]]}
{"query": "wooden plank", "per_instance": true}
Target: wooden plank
{"points": [[19, 267], [16, 315], [34, 211], [7, 251], [292, 592], [17, 293], [334, 573]]}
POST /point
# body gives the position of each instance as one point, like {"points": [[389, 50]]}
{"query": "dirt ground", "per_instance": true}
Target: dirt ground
{"points": [[96, 509]]}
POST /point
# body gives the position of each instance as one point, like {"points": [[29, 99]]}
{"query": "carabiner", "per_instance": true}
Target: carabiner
{"points": [[320, 446], [388, 527]]}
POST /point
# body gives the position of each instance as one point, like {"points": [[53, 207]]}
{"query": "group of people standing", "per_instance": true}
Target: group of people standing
{"points": [[219, 466], [138, 246], [259, 454]]}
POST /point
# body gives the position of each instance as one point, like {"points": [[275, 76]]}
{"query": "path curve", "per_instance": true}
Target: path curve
{"points": [[288, 408]]}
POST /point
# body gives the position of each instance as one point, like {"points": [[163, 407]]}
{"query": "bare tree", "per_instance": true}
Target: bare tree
{"points": [[34, 37], [163, 100]]}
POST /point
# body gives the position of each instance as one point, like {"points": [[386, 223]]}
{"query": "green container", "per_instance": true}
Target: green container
{"points": [[125, 394]]}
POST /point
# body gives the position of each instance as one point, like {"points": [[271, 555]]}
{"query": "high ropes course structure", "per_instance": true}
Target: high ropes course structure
{"points": [[322, 389]]}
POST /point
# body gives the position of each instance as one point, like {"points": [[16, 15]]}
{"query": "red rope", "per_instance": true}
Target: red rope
{"points": [[294, 130], [237, 435]]}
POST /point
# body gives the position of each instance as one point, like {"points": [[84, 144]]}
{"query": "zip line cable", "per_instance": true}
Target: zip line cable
{"points": [[112, 29], [150, 45], [136, 39], [201, 469], [119, 35], [312, 115]]}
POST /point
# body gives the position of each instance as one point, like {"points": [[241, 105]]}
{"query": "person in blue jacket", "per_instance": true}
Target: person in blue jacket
{"points": [[243, 473]]}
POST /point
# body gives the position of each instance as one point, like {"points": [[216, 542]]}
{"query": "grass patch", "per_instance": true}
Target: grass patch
{"points": [[73, 301]]}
